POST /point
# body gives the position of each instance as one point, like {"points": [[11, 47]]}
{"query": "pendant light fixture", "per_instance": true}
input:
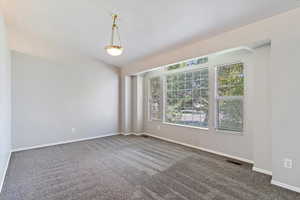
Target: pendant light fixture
{"points": [[114, 49]]}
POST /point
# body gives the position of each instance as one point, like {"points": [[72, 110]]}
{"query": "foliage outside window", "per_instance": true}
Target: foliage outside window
{"points": [[155, 94], [229, 97], [188, 63], [187, 98]]}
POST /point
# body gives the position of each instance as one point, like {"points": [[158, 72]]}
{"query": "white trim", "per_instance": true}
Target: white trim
{"points": [[286, 186], [237, 133], [186, 126], [264, 171], [63, 142], [123, 133], [138, 134], [133, 133], [5, 170], [202, 149]]}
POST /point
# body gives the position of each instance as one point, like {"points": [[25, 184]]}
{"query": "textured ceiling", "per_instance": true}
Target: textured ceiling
{"points": [[146, 27]]}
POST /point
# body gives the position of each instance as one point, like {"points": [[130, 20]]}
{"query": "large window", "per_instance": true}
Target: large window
{"points": [[155, 98], [229, 97], [187, 98], [180, 95]]}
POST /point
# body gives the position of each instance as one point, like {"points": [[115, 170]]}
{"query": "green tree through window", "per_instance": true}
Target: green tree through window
{"points": [[189, 63], [187, 98], [155, 94], [230, 92]]}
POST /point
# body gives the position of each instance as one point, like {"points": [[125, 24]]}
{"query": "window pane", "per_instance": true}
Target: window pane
{"points": [[189, 63], [230, 80], [230, 115], [230, 91], [196, 75], [188, 104], [154, 101]]}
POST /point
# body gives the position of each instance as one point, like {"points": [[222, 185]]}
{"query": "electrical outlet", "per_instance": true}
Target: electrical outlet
{"points": [[73, 130], [288, 163]]}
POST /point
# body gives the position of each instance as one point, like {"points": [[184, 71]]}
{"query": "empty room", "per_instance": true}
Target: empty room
{"points": [[149, 100]]}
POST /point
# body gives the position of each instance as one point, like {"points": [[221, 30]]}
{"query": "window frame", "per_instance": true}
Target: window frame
{"points": [[217, 97], [149, 99], [182, 70], [212, 95]]}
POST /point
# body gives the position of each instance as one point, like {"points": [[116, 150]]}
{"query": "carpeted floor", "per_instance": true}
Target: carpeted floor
{"points": [[132, 167]]}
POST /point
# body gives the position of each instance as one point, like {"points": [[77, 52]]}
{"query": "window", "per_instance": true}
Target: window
{"points": [[187, 98], [229, 97], [188, 63], [155, 94], [180, 94]]}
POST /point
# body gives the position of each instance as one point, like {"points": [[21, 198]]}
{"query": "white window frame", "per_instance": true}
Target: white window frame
{"points": [[212, 94], [149, 99], [217, 97], [180, 70]]}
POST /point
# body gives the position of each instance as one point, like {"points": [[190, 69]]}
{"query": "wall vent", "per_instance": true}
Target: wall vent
{"points": [[145, 136], [234, 162]]}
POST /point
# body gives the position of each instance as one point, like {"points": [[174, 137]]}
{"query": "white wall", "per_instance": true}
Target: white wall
{"points": [[262, 137], [126, 109], [236, 145], [51, 97], [137, 104], [285, 98], [5, 102], [284, 32]]}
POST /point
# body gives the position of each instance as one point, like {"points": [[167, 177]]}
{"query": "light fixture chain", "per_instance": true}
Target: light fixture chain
{"points": [[112, 37], [119, 36]]}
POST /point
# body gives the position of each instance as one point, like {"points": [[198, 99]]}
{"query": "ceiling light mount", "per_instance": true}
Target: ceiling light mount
{"points": [[114, 48]]}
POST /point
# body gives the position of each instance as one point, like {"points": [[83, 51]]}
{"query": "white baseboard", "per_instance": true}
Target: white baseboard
{"points": [[286, 186], [131, 133], [126, 134], [63, 142], [5, 170], [202, 149], [138, 134], [267, 172]]}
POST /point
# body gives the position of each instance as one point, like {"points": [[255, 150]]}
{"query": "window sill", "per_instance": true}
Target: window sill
{"points": [[186, 126], [154, 120], [228, 132]]}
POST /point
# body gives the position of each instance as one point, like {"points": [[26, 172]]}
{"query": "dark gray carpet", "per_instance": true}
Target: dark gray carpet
{"points": [[132, 167]]}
